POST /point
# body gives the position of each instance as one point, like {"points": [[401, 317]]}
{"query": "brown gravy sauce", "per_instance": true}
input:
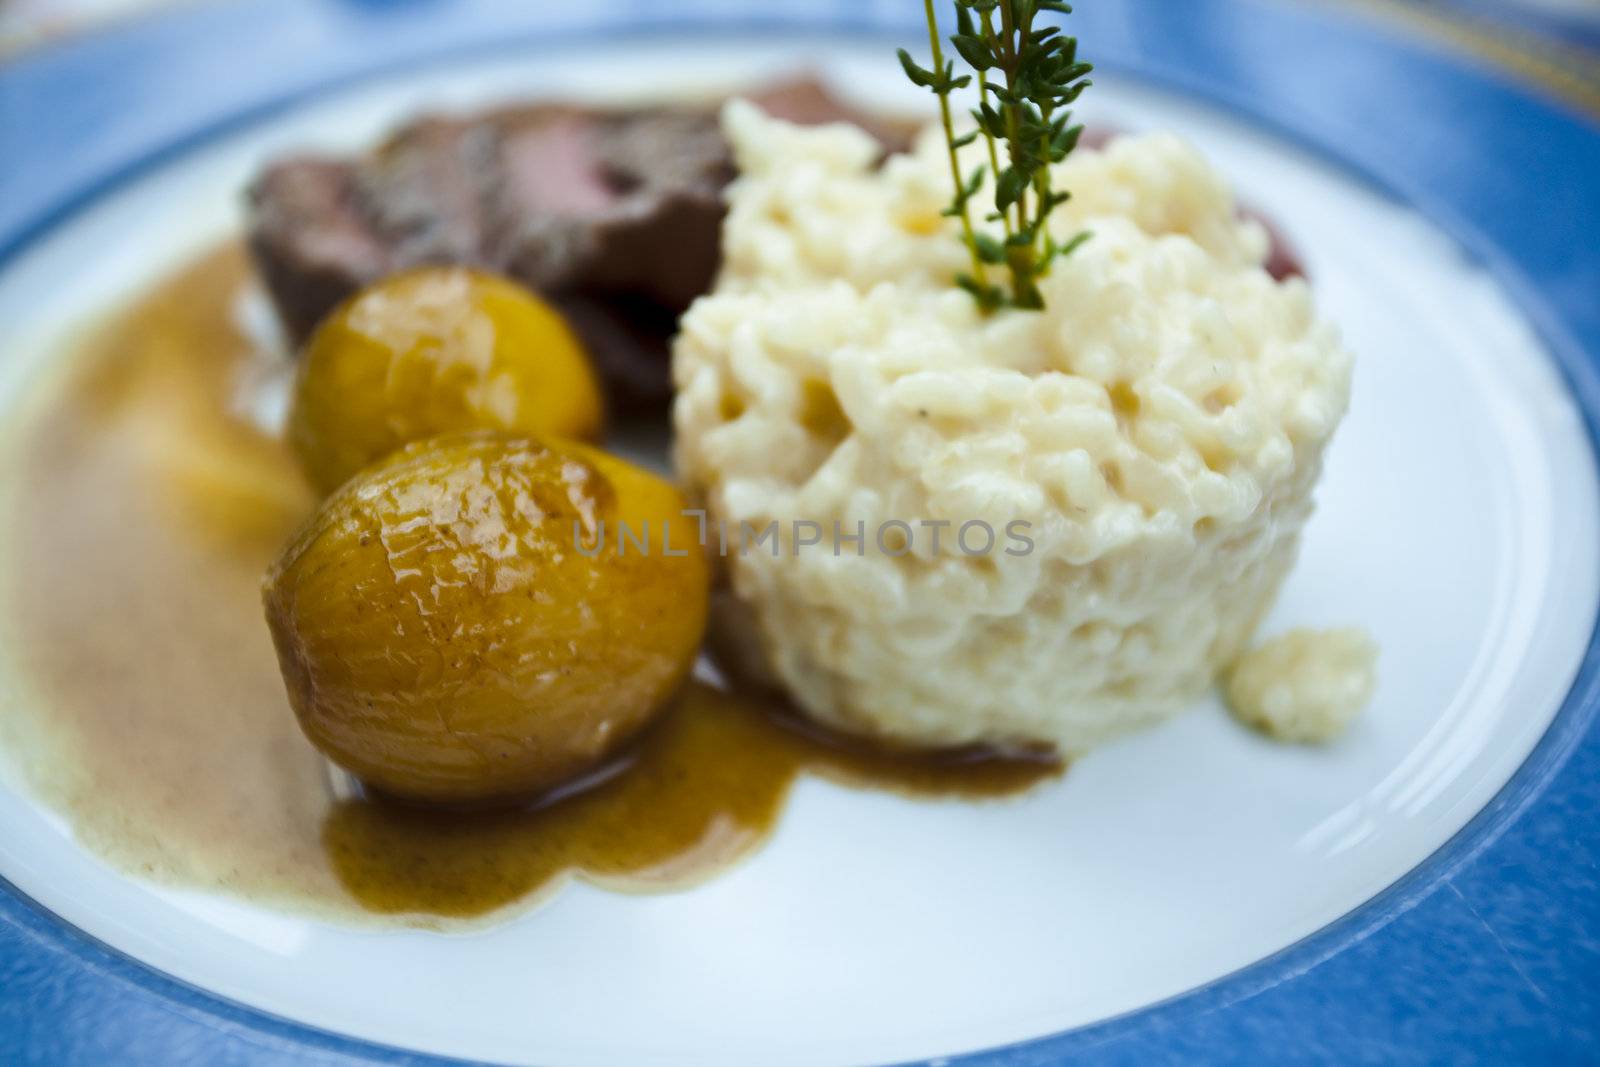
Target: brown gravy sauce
{"points": [[143, 509]]}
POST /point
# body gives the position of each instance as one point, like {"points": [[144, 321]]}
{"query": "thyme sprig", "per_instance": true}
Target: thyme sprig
{"points": [[1024, 107]]}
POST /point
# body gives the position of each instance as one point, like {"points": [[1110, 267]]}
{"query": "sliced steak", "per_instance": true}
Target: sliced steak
{"points": [[613, 215], [621, 203], [426, 191], [311, 241]]}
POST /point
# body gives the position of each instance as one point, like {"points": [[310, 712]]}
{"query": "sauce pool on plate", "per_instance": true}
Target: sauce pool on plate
{"points": [[145, 700]]}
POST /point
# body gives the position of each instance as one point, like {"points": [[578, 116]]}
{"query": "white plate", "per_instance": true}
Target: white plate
{"points": [[1454, 521]]}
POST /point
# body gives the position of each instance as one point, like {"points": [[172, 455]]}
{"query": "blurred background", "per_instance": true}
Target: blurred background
{"points": [[1552, 43]]}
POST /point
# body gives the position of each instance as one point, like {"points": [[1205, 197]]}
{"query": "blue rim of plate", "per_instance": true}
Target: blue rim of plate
{"points": [[1504, 964]]}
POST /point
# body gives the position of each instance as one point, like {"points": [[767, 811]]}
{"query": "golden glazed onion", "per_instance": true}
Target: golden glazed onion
{"points": [[444, 639], [429, 351]]}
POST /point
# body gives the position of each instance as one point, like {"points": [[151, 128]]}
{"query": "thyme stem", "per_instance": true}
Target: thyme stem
{"points": [[971, 241], [986, 20], [1020, 255], [1041, 177], [1027, 79]]}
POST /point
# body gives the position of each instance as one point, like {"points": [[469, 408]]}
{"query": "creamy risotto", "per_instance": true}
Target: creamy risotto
{"points": [[1143, 451]]}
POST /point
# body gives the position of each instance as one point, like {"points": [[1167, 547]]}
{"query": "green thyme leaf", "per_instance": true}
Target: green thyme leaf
{"points": [[989, 249], [989, 297], [973, 49], [1010, 186], [924, 78], [1062, 144]]}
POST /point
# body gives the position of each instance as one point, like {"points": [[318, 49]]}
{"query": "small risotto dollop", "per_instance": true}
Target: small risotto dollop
{"points": [[1024, 529], [1305, 685]]}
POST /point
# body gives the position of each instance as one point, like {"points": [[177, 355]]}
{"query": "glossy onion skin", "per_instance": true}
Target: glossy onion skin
{"points": [[442, 639], [429, 351]]}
